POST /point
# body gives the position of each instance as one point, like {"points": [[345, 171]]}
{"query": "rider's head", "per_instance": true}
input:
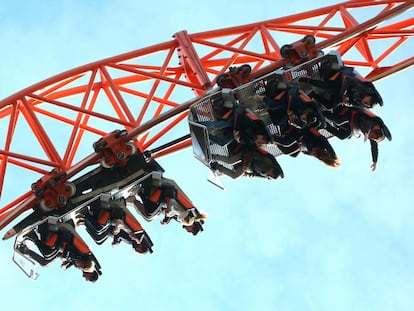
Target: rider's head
{"points": [[88, 268], [274, 173], [86, 265], [325, 155], [376, 133], [273, 87], [91, 276], [140, 248], [260, 139], [365, 94]]}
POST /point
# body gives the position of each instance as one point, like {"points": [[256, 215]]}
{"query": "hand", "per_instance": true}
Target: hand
{"points": [[65, 264], [236, 135], [80, 221], [373, 166]]}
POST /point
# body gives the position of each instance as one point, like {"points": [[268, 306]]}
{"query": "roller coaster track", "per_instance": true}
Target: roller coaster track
{"points": [[148, 91]]}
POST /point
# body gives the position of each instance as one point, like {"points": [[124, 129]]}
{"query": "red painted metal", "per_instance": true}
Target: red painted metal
{"points": [[129, 92], [190, 61]]}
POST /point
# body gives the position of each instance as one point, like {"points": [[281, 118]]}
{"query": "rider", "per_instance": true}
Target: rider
{"points": [[61, 240], [298, 119], [233, 120], [343, 86], [157, 194], [308, 141], [315, 144], [107, 217], [345, 121], [249, 160], [287, 105]]}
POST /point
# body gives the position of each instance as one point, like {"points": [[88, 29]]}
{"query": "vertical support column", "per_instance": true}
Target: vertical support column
{"points": [[191, 62]]}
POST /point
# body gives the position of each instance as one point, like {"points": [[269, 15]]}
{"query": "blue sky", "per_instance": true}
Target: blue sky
{"points": [[320, 239]]}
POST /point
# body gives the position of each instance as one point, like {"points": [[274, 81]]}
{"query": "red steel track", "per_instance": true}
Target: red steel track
{"points": [[148, 91]]}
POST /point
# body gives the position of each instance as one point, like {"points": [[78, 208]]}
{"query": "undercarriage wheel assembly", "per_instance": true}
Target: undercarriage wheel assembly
{"points": [[98, 145], [284, 50], [57, 196], [309, 39], [105, 163], [221, 78], [132, 147], [245, 69], [70, 188], [111, 157]]}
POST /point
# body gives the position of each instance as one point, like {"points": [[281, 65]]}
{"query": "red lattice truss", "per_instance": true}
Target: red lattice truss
{"points": [[148, 91]]}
